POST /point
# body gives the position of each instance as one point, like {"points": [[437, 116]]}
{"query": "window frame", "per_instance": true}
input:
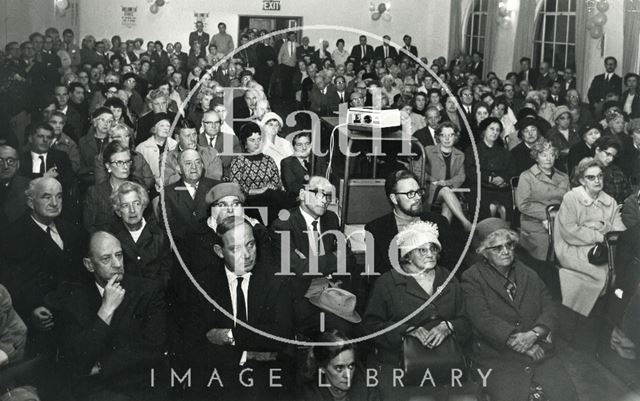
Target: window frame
{"points": [[470, 38], [540, 39]]}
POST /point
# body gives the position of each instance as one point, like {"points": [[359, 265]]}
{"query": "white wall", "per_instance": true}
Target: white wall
{"points": [[20, 18], [424, 20]]}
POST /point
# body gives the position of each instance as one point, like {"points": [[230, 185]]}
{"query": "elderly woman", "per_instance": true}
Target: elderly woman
{"points": [[539, 186], [334, 372], [160, 142], [514, 342], [563, 136], [399, 292], [146, 250], [529, 133], [585, 148], [97, 212], [586, 214], [445, 171], [274, 145], [204, 98], [495, 171]]}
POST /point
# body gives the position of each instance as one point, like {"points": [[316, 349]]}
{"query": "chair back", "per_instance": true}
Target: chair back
{"points": [[552, 211], [513, 183]]}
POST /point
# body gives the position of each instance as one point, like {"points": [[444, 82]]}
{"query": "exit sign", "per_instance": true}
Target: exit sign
{"points": [[271, 5]]}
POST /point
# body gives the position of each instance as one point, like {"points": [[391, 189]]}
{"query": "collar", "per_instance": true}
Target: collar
{"points": [[36, 156], [231, 276], [309, 218], [44, 226], [586, 200], [100, 289], [144, 224]]}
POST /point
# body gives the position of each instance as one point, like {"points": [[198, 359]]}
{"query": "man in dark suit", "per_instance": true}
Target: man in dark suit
{"points": [[322, 54], [630, 98], [556, 94], [408, 46], [386, 50], [75, 124], [227, 145], [476, 66], [406, 197], [200, 37], [544, 78], [304, 49], [526, 73], [112, 330], [603, 84], [323, 99], [568, 80], [43, 250], [246, 291], [13, 200], [427, 135], [362, 51]]}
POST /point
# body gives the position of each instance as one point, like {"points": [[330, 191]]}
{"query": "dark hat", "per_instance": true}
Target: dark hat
{"points": [[486, 227], [528, 121], [488, 121], [589, 127], [100, 111], [609, 104], [159, 117], [526, 111], [129, 75], [223, 189]]}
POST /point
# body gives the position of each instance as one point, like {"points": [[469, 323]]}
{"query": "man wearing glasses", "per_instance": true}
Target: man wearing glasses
{"points": [[13, 201], [406, 198], [227, 145]]}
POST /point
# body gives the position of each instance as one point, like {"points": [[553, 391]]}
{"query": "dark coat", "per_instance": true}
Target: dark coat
{"points": [[219, 145], [55, 158], [203, 40], [150, 257], [97, 211], [635, 104], [37, 264], [379, 52], [384, 229], [521, 159], [356, 53], [494, 317], [323, 104], [600, 87], [89, 150], [127, 348], [395, 296], [411, 49], [533, 77], [13, 199], [578, 152], [294, 175], [184, 213]]}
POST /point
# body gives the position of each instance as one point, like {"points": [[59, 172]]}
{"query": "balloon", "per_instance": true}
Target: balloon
{"points": [[386, 17], [63, 4], [590, 24], [382, 8], [596, 32], [602, 6], [375, 16], [372, 7], [388, 5], [600, 19], [154, 8], [160, 3]]}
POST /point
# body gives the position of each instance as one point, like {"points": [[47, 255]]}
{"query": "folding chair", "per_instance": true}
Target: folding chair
{"points": [[513, 183]]}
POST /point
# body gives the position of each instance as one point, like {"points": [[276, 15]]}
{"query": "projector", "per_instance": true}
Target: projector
{"points": [[367, 118]]}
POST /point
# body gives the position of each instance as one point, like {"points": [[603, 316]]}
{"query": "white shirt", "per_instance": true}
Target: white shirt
{"points": [[628, 103], [313, 242], [55, 235], [64, 111], [36, 162], [191, 188], [136, 234], [232, 281]]}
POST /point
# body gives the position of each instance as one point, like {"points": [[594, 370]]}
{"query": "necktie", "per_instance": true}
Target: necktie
{"points": [[241, 306], [42, 165], [192, 190], [55, 237], [386, 52], [291, 49], [318, 246], [362, 51], [307, 166], [212, 141], [608, 77]]}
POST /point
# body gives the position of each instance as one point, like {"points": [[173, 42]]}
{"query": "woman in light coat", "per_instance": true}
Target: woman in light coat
{"points": [[586, 214], [160, 142], [539, 186]]}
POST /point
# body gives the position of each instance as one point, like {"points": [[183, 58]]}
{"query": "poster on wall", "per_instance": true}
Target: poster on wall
{"points": [[201, 17], [129, 16]]}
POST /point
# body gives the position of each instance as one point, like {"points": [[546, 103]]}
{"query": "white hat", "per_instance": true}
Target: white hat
{"points": [[417, 234], [271, 116]]}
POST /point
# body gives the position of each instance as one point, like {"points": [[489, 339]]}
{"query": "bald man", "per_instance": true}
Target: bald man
{"points": [[42, 250], [112, 330]]}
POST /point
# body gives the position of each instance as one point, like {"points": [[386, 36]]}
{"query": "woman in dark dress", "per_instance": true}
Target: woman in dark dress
{"points": [[589, 134], [529, 132]]}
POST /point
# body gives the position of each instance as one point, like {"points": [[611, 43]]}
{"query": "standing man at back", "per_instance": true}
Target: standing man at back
{"points": [[222, 40], [200, 37]]}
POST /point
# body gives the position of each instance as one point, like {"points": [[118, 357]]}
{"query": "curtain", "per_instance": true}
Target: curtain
{"points": [[631, 34], [582, 39], [455, 30], [490, 36], [525, 32]]}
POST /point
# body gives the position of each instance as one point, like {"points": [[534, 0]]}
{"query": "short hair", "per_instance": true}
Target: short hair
{"points": [[391, 182], [222, 24], [447, 124], [527, 59], [60, 114], [605, 142], [120, 127], [541, 146], [339, 41], [41, 125], [33, 184], [582, 167], [320, 356], [227, 224], [112, 148], [74, 85], [634, 125], [247, 130], [631, 75], [304, 134], [156, 94], [125, 188], [68, 31], [611, 58], [511, 235], [115, 102]]}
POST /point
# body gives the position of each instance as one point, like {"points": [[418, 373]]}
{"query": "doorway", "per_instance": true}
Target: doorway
{"points": [[268, 23]]}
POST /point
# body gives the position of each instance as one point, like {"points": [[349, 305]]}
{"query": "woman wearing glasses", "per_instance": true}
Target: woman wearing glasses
{"points": [[401, 291], [586, 214], [513, 318]]}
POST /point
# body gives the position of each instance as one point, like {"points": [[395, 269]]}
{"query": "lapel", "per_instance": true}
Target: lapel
{"points": [[182, 195], [299, 226], [258, 290], [522, 282], [496, 283]]}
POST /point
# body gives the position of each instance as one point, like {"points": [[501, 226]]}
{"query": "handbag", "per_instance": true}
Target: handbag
{"points": [[440, 361], [599, 254]]}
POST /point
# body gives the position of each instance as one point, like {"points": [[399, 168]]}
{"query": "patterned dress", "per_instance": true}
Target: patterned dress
{"points": [[254, 172]]}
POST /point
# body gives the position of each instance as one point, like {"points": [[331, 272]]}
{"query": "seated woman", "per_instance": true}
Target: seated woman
{"points": [[404, 289], [153, 148], [539, 186], [586, 214], [257, 173], [529, 133], [418, 112], [445, 170], [334, 373], [120, 113], [274, 145], [515, 342], [296, 169], [495, 171], [589, 135], [204, 98], [500, 110], [563, 136]]}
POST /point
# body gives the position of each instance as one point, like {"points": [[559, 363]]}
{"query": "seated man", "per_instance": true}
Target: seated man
{"points": [[147, 252], [42, 250], [246, 291], [111, 331], [406, 198], [311, 251], [188, 139], [13, 201]]}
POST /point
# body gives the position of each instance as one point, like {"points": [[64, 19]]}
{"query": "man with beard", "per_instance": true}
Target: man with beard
{"points": [[406, 199]]}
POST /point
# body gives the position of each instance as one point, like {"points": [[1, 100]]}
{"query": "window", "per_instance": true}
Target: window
{"points": [[476, 26], [555, 39]]}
